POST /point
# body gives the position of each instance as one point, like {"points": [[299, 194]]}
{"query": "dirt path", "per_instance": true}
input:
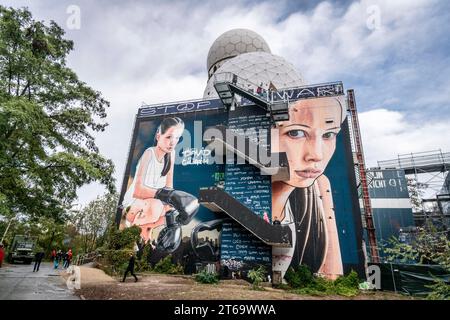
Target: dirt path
{"points": [[96, 285]]}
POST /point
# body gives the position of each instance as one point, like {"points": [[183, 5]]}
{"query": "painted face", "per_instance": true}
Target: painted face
{"points": [[169, 139], [309, 138]]}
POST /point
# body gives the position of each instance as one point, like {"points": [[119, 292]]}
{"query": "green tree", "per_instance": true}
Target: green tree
{"points": [[429, 246], [47, 121], [48, 232], [416, 192]]}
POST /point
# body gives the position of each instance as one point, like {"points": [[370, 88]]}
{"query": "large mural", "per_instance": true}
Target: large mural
{"points": [[170, 162]]}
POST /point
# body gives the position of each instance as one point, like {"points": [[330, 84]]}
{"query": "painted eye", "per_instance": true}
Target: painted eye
{"points": [[296, 134], [329, 135]]}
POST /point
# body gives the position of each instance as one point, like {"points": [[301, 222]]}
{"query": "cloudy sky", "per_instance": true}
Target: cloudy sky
{"points": [[395, 54]]}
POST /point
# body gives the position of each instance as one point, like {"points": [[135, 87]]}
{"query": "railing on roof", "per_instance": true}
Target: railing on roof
{"points": [[430, 160]]}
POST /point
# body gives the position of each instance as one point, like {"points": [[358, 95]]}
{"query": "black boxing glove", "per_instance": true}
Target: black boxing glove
{"points": [[169, 238], [185, 203]]}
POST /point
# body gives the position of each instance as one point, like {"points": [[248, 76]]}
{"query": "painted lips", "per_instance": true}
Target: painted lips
{"points": [[309, 173]]}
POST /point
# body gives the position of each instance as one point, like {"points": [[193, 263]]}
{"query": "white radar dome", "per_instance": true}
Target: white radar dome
{"points": [[260, 68], [231, 44]]}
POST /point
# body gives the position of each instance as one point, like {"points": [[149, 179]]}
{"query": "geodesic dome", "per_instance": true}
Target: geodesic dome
{"points": [[260, 68], [231, 44]]}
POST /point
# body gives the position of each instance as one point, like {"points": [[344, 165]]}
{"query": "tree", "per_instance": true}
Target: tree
{"points": [[415, 194], [92, 221], [48, 232], [47, 120], [429, 246]]}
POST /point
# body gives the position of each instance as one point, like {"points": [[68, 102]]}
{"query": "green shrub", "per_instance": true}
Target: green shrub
{"points": [[166, 266], [123, 239], [115, 261], [206, 277], [305, 283], [347, 285], [441, 290], [117, 246], [143, 264], [322, 285], [257, 276], [346, 291], [299, 277]]}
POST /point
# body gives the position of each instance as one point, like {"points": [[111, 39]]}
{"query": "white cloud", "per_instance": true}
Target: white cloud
{"points": [[386, 134]]}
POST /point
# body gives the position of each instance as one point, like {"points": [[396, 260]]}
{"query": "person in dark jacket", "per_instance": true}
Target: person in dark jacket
{"points": [[130, 268], [64, 259], [68, 258], [2, 254], [37, 260]]}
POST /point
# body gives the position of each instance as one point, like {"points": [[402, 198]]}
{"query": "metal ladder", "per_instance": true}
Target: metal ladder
{"points": [[363, 177]]}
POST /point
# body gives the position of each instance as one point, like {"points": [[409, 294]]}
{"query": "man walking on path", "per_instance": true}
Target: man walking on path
{"points": [[130, 268], [55, 259], [68, 258], [37, 260]]}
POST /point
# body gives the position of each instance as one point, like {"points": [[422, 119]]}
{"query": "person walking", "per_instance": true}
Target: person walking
{"points": [[2, 254], [59, 256], [37, 260], [64, 259], [53, 256], [130, 268], [55, 259]]}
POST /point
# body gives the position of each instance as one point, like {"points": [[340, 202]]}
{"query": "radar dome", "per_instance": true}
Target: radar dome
{"points": [[231, 44], [260, 68]]}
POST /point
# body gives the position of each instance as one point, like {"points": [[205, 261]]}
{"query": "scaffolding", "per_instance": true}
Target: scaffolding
{"points": [[362, 175], [419, 162], [434, 166]]}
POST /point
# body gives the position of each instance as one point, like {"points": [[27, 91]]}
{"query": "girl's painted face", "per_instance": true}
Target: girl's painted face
{"points": [[169, 139], [308, 138]]}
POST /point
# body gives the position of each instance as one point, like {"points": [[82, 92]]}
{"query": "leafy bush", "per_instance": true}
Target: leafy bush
{"points": [[300, 277], [206, 277], [166, 266], [123, 239], [304, 282], [282, 286], [143, 263], [257, 276], [347, 285], [118, 245], [441, 290], [115, 261]]}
